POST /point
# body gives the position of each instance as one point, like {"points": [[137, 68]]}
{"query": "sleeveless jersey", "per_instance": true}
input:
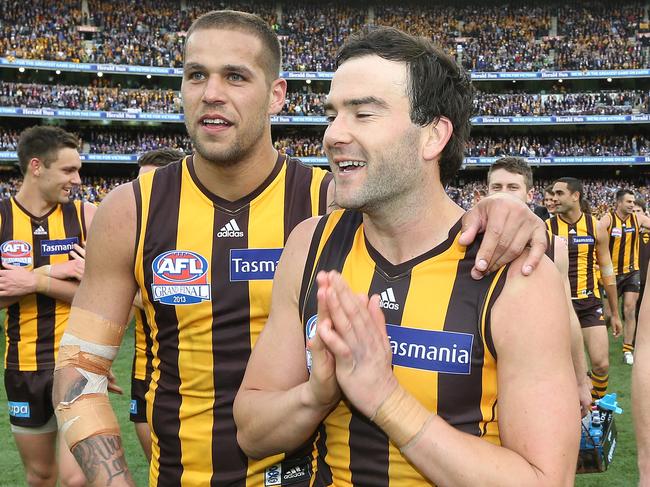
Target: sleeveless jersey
{"points": [[142, 357], [35, 324], [644, 253], [624, 243], [438, 322], [205, 268], [581, 240]]}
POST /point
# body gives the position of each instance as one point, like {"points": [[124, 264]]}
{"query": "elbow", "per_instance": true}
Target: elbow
{"points": [[246, 443], [245, 438]]}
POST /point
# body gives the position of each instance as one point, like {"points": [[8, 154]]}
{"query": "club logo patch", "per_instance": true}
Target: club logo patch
{"points": [[253, 264], [583, 240], [180, 277], [19, 409], [16, 252], [310, 332], [616, 232]]}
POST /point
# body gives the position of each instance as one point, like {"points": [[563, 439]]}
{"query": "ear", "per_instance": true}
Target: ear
{"points": [[529, 195], [436, 137], [34, 166], [277, 96]]}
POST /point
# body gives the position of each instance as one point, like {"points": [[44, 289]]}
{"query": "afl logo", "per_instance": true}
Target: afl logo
{"points": [[180, 277], [310, 332], [16, 252]]}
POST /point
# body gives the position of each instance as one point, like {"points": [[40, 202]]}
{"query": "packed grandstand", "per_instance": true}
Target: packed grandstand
{"points": [[562, 84]]}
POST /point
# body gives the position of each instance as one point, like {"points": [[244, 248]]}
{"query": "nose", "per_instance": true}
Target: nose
{"points": [[76, 178], [337, 133], [213, 92]]}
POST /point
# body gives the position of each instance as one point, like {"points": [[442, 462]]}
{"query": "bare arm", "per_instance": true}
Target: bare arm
{"points": [[644, 220], [107, 290], [641, 388], [531, 337], [561, 260], [605, 260], [276, 385]]}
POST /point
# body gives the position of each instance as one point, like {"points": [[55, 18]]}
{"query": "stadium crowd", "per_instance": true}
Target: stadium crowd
{"points": [[305, 102], [484, 37]]}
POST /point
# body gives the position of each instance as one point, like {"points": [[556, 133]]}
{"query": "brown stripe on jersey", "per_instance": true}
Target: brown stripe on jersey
{"points": [[45, 305], [13, 312], [496, 292], [591, 256], [612, 240], [71, 221], [324, 474], [324, 186], [369, 445], [550, 247], [137, 193], [634, 265], [297, 204], [148, 343], [620, 258], [308, 274], [84, 230], [160, 236], [459, 395], [231, 347]]}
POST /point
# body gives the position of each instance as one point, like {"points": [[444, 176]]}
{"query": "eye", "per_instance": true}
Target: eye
{"points": [[196, 76], [235, 77], [330, 118]]}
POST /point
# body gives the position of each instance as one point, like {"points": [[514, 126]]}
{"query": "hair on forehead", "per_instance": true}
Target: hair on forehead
{"points": [[270, 58], [514, 165], [43, 143]]}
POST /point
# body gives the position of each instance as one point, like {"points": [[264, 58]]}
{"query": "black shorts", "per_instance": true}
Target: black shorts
{"points": [[138, 407], [628, 283], [29, 395], [589, 311]]}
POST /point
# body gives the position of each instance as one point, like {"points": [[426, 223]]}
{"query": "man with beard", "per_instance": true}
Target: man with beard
{"points": [[202, 238]]}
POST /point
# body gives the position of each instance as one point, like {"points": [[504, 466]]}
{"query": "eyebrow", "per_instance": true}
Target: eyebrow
{"points": [[353, 102], [237, 68]]}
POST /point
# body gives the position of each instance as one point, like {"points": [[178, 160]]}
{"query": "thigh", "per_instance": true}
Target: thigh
{"points": [[596, 341], [38, 453]]}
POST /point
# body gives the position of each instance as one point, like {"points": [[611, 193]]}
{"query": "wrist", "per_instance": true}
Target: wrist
{"points": [[309, 399], [42, 283]]}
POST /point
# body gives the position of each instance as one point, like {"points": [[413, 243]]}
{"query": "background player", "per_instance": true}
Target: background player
{"points": [[38, 229], [623, 226], [514, 176], [142, 361], [588, 244], [644, 250]]}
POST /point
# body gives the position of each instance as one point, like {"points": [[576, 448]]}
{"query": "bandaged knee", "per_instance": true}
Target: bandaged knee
{"points": [[89, 345]]}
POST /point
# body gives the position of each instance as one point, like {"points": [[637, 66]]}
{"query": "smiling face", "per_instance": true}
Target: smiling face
{"points": [[565, 200], [372, 145], [625, 205], [56, 182], [227, 99]]}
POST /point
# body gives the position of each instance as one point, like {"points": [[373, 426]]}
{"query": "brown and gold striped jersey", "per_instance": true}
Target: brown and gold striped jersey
{"points": [[644, 253], [34, 325], [438, 322], [142, 357], [624, 243], [205, 268], [581, 239]]}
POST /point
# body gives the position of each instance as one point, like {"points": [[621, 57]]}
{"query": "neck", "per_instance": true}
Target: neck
{"points": [[573, 215], [621, 215], [401, 232], [31, 199], [239, 179]]}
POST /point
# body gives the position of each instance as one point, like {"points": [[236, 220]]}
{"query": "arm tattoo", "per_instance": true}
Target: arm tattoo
{"points": [[99, 455], [75, 389]]}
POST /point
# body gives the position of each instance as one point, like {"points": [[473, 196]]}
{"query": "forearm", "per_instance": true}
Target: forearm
{"points": [[100, 456], [260, 416], [61, 290], [612, 299], [448, 456]]}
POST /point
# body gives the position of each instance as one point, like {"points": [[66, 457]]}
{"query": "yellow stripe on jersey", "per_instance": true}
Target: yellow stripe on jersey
{"points": [[624, 243]]}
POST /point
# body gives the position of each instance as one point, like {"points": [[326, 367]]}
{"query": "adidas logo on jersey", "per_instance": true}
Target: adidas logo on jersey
{"points": [[40, 231], [388, 300], [294, 473], [230, 229], [572, 230]]}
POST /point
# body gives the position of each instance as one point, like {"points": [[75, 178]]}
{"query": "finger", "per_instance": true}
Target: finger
{"points": [[349, 302], [538, 246], [514, 249], [377, 316], [75, 255], [333, 341], [10, 267], [80, 250], [115, 389], [341, 321], [472, 224]]}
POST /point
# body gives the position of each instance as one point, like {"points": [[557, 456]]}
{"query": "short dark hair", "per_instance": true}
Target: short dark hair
{"points": [[641, 202], [437, 86], [514, 165], [44, 143], [620, 194], [549, 189], [244, 22], [160, 157], [575, 186]]}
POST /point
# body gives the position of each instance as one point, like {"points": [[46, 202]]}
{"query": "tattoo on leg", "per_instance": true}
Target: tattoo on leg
{"points": [[101, 455], [75, 389]]}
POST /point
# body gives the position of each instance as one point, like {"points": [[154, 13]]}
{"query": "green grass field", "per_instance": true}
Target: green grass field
{"points": [[622, 473]]}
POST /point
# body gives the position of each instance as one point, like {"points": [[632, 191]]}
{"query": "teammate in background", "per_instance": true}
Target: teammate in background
{"points": [[588, 243], [399, 108], [202, 238], [644, 250], [549, 201], [623, 226], [142, 361], [38, 229], [514, 176]]}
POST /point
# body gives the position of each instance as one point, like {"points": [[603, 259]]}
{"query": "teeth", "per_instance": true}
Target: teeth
{"points": [[346, 164], [214, 121]]}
